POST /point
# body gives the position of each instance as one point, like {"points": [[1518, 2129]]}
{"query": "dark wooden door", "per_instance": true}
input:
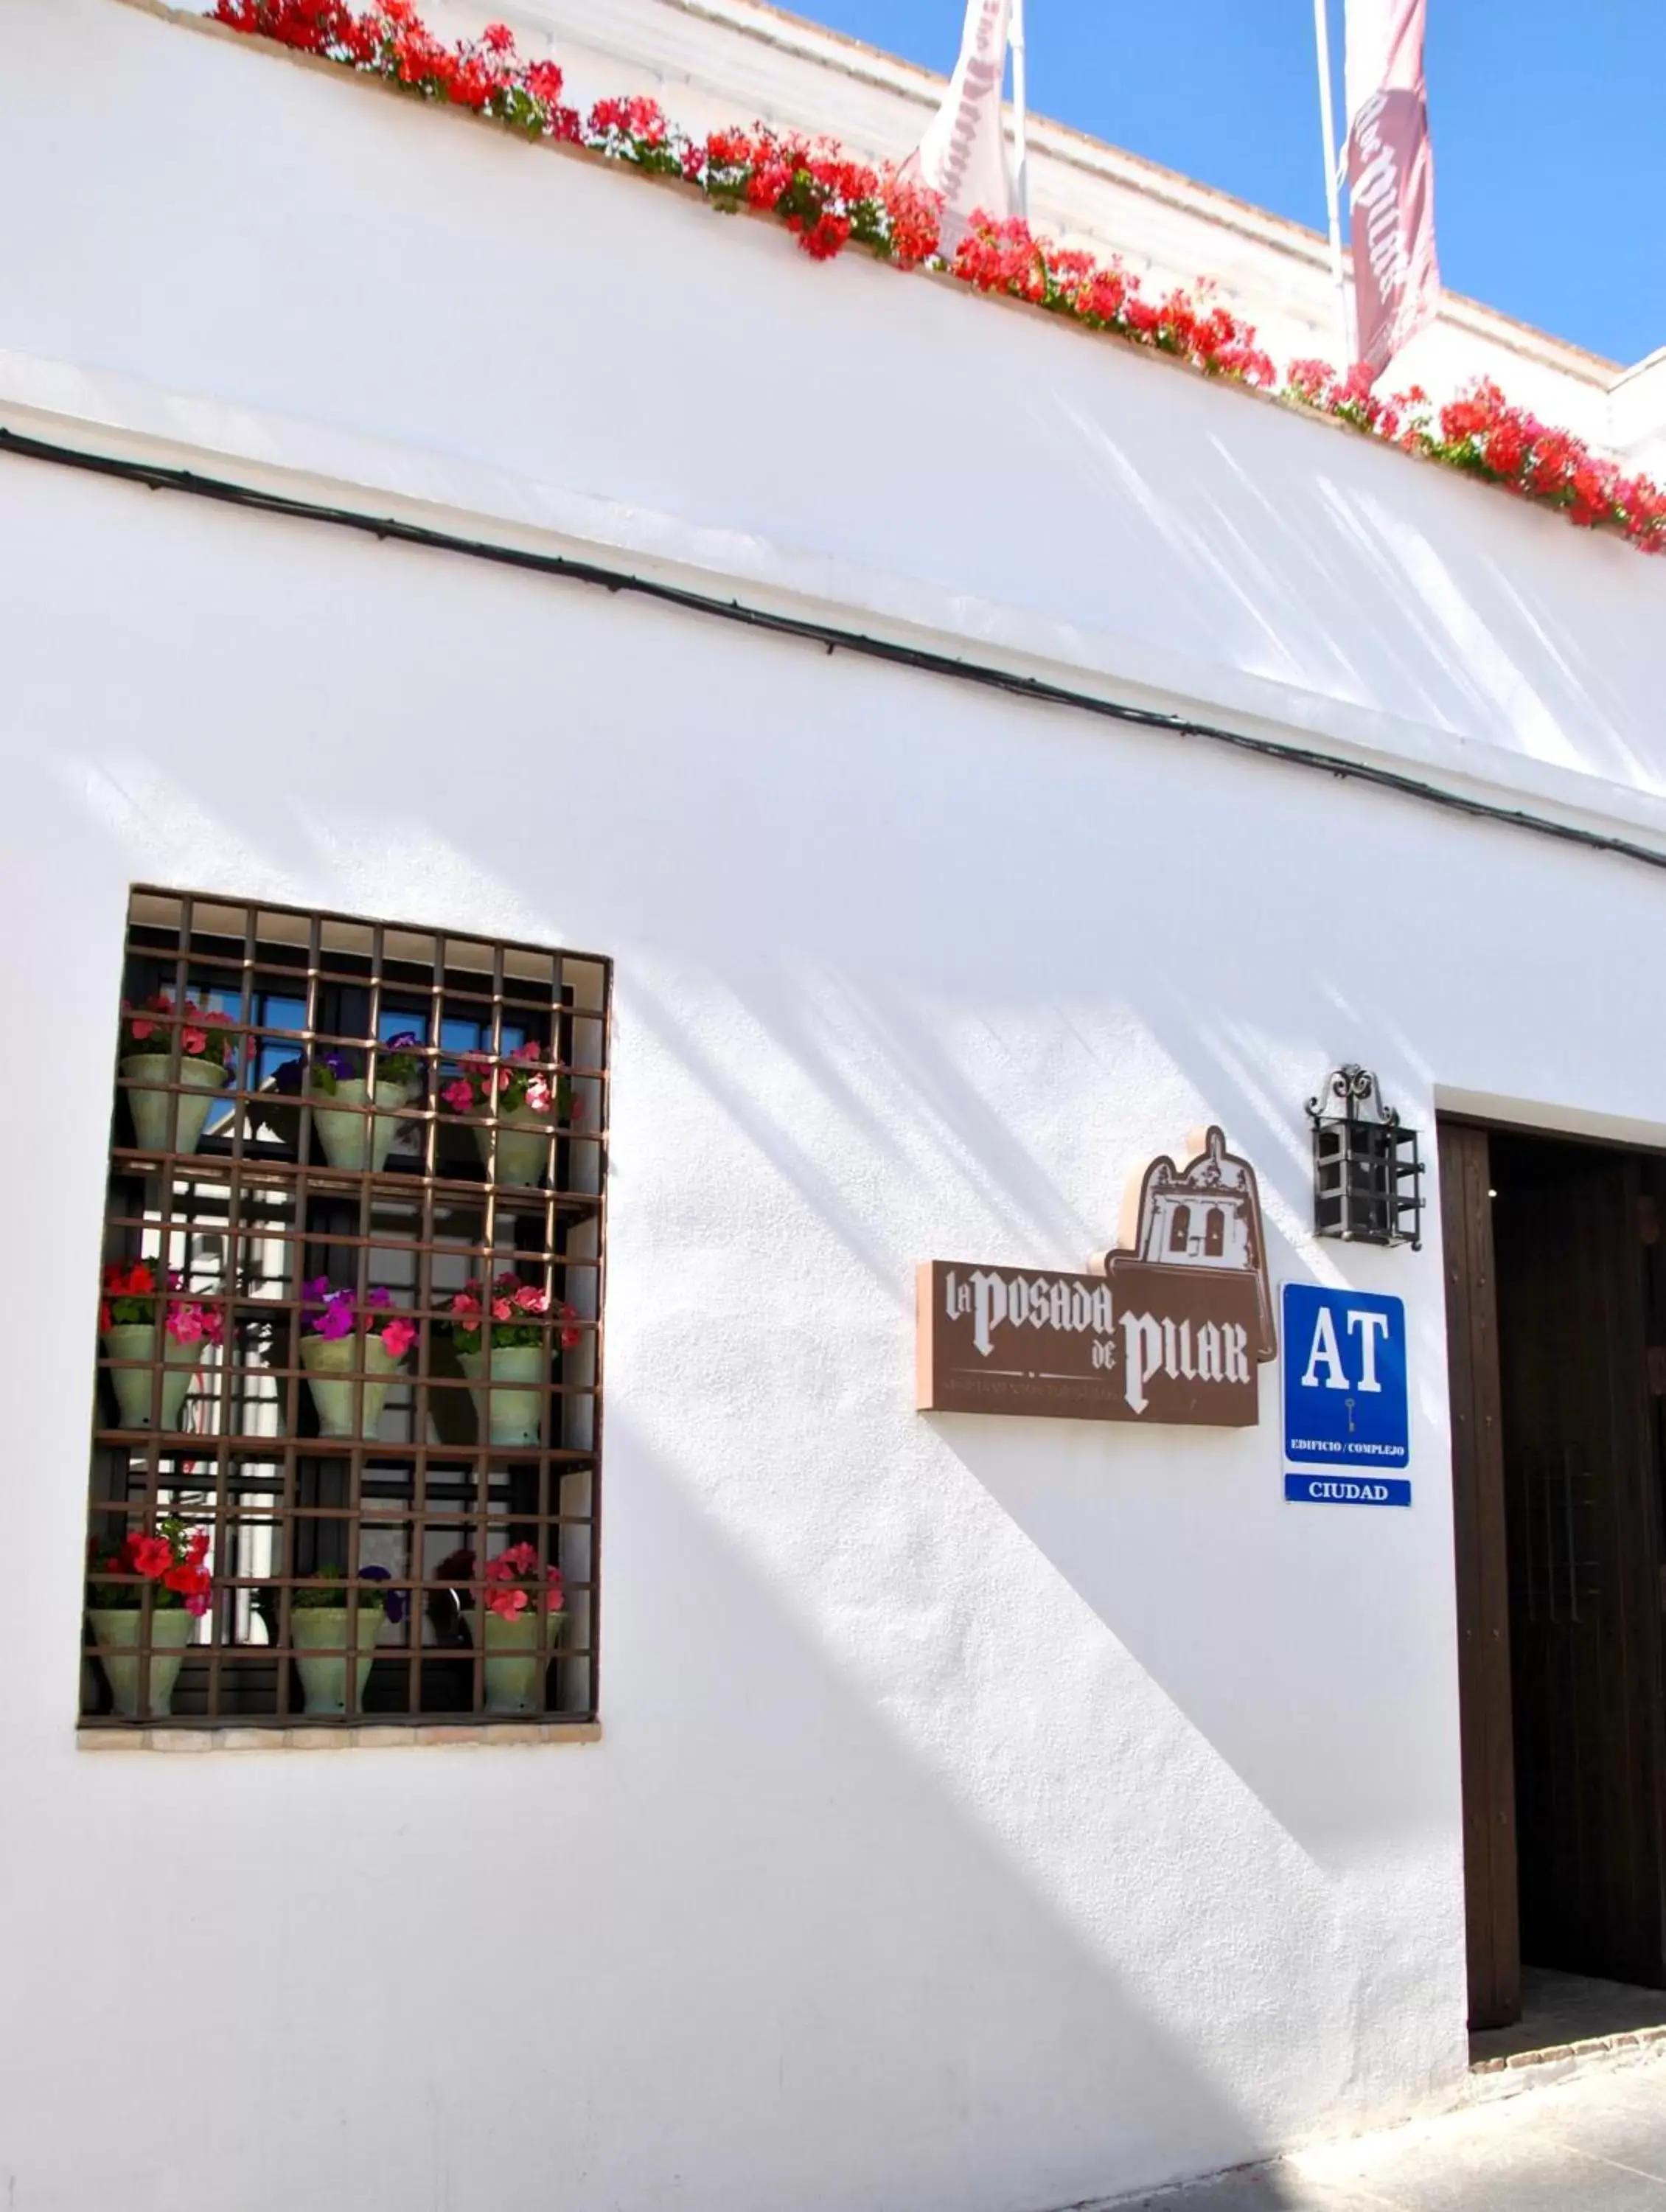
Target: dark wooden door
{"points": [[1582, 1510], [1483, 1605]]}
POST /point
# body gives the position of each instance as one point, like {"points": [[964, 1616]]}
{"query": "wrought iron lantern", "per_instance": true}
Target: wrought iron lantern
{"points": [[1367, 1178]]}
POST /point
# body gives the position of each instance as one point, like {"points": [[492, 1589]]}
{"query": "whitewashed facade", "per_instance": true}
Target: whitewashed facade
{"points": [[986, 1816], [715, 61]]}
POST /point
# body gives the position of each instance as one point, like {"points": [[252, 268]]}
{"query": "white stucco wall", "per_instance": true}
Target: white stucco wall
{"points": [[988, 1816], [718, 62], [321, 284]]}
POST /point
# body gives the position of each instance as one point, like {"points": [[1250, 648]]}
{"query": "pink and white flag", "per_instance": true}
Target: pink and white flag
{"points": [[964, 154], [1390, 178]]}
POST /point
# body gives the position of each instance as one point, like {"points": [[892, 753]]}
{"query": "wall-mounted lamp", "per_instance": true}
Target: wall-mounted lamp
{"points": [[1367, 1178]]}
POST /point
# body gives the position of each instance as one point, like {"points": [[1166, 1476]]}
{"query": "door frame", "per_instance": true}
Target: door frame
{"points": [[1485, 1716], [1485, 1690]]}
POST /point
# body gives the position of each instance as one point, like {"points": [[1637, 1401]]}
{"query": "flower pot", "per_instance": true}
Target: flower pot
{"points": [[513, 1666], [137, 1340], [329, 1361], [151, 1109], [170, 1632], [522, 1151], [351, 1141], [316, 1630], [510, 1410]]}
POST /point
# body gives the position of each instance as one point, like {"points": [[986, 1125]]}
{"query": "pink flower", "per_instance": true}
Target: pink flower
{"points": [[464, 1303], [532, 1300], [197, 1606], [184, 1324], [459, 1096], [538, 1094], [529, 1051], [142, 1029], [507, 1603], [520, 1559], [501, 1309], [194, 1041], [398, 1336], [503, 1079]]}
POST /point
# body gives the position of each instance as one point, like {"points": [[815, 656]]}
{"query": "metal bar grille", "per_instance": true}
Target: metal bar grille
{"points": [[305, 1458]]}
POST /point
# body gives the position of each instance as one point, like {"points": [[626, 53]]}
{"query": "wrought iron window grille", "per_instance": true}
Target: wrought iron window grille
{"points": [[352, 1515]]}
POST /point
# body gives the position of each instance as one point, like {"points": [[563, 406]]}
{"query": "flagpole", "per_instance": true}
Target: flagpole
{"points": [[1332, 175], [1021, 115]]}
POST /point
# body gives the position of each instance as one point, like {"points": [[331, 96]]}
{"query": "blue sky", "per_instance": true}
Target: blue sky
{"points": [[1549, 121]]}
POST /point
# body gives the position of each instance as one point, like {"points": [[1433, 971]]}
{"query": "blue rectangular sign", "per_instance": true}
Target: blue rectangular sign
{"points": [[1345, 1401], [1327, 1489]]}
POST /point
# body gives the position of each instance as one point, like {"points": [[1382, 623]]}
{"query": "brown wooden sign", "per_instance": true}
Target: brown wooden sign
{"points": [[1169, 1330]]}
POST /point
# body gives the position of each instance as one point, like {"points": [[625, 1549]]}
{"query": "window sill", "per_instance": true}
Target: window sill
{"points": [[468, 1735]]}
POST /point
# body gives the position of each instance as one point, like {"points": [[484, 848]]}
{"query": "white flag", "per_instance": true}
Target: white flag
{"points": [[964, 154]]}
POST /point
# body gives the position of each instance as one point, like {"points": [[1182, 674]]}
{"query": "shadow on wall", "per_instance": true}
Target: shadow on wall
{"points": [[1363, 1769], [870, 1063], [892, 2010], [1451, 637]]}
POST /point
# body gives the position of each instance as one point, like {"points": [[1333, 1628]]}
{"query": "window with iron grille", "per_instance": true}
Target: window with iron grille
{"points": [[347, 1428]]}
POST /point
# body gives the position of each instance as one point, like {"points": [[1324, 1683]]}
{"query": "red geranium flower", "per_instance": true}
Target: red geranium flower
{"points": [[151, 1556]]}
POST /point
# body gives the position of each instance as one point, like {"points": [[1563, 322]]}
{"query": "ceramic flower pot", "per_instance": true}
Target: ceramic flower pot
{"points": [[355, 1141], [509, 1408], [319, 1635], [328, 1361], [116, 1628], [137, 1340], [150, 1108], [523, 1147], [513, 1667]]}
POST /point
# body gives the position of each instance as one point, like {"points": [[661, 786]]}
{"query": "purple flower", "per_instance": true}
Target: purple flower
{"points": [[337, 1319], [379, 1297], [393, 1603], [340, 1064]]}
